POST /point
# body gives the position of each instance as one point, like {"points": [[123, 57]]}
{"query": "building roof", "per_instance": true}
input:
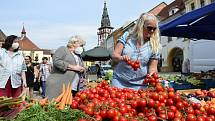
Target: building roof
{"points": [[157, 9], [27, 45], [164, 14], [2, 36]]}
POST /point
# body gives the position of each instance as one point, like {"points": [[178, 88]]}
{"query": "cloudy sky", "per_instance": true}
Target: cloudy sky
{"points": [[50, 23]]}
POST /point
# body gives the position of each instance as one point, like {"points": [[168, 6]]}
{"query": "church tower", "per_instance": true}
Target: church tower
{"points": [[105, 28]]}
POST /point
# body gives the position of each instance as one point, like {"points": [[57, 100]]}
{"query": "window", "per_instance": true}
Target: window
{"points": [[192, 5], [173, 11], [202, 2]]}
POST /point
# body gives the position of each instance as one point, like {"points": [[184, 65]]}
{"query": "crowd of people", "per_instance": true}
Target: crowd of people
{"points": [[67, 67]]}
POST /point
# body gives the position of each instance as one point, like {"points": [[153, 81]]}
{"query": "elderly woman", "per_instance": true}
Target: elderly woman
{"points": [[142, 44], [67, 67]]}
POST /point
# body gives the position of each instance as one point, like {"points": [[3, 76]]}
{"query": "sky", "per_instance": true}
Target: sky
{"points": [[50, 23]]}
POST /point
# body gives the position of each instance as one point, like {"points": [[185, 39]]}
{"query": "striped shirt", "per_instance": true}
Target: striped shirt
{"points": [[44, 71]]}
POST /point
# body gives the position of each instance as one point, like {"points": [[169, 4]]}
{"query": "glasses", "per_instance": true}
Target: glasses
{"points": [[150, 28]]}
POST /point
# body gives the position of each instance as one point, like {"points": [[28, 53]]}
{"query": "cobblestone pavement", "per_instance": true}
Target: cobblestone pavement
{"points": [[37, 95]]}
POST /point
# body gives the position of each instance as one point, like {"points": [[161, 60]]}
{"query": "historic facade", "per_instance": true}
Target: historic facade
{"points": [[176, 50]]}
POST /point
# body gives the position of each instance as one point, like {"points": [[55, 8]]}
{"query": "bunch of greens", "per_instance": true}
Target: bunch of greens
{"points": [[49, 113]]}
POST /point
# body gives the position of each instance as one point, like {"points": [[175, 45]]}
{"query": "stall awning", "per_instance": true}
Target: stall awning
{"points": [[199, 24], [96, 54]]}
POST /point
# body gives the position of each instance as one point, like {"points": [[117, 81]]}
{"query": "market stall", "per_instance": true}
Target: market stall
{"points": [[105, 103]]}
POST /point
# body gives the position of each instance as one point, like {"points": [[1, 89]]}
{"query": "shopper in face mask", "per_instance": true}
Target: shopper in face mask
{"points": [[12, 68], [67, 67]]}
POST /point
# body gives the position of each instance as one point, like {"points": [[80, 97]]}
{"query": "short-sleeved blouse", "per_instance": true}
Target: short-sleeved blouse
{"points": [[126, 77]]}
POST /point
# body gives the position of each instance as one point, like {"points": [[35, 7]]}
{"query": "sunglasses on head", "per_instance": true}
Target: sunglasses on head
{"points": [[150, 28]]}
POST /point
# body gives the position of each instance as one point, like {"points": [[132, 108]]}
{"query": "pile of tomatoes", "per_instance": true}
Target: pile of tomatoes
{"points": [[134, 64], [151, 79], [155, 103]]}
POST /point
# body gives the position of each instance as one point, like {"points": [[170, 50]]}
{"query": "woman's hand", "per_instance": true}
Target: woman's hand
{"points": [[125, 57], [24, 84], [76, 68]]}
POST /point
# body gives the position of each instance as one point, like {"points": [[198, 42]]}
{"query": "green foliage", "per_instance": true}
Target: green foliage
{"points": [[49, 113], [109, 75]]}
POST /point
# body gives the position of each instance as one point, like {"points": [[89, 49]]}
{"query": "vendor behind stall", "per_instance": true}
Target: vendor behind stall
{"points": [[142, 44]]}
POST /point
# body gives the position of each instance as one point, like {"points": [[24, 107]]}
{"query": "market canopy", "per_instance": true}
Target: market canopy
{"points": [[199, 24], [96, 54]]}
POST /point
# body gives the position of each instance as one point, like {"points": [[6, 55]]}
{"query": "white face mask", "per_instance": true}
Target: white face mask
{"points": [[15, 45], [79, 50]]}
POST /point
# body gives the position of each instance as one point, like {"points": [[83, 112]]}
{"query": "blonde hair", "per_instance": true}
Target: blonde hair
{"points": [[137, 31], [75, 39]]}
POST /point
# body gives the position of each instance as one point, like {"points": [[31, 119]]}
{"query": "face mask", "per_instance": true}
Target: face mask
{"points": [[79, 50], [15, 45]]}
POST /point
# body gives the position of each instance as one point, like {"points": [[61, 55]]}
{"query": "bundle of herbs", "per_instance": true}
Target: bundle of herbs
{"points": [[49, 113]]}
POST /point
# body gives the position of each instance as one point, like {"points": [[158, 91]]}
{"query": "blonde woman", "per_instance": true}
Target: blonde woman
{"points": [[143, 44], [67, 66]]}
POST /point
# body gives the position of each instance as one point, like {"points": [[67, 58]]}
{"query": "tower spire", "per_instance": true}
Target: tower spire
{"points": [[105, 22], [23, 31]]}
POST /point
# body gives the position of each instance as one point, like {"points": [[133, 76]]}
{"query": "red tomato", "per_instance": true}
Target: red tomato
{"points": [[103, 113], [152, 118], [74, 105], [129, 62], [190, 110], [110, 113], [159, 88], [211, 111], [170, 115], [123, 110], [178, 115], [200, 118], [151, 103], [155, 75], [89, 111], [169, 102], [163, 116], [142, 103], [173, 108], [179, 105], [171, 89], [208, 119], [134, 103], [191, 117], [155, 96], [171, 95]]}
